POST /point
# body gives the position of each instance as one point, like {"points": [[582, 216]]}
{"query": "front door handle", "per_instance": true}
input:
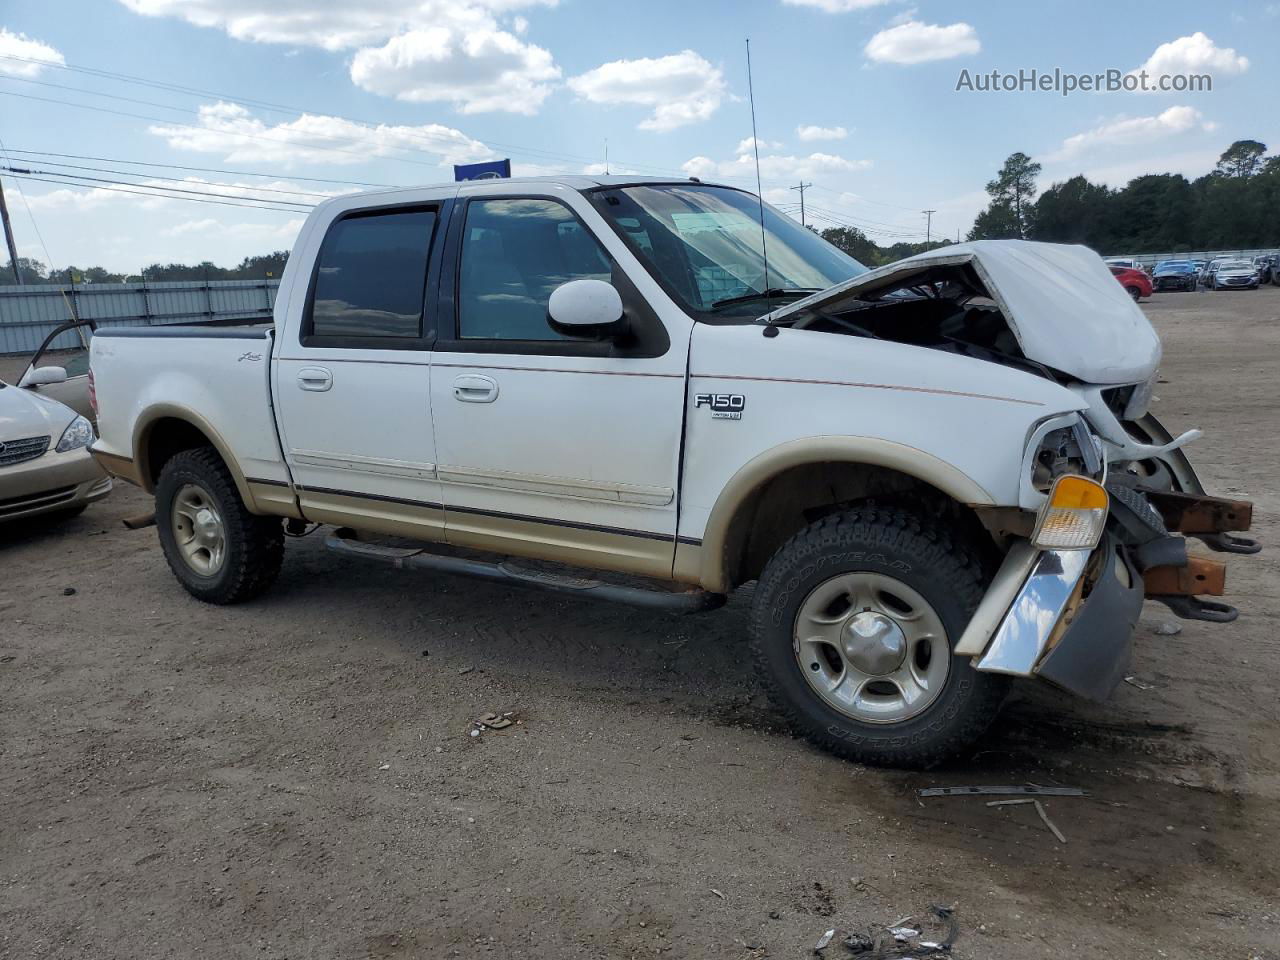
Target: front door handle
{"points": [[315, 378], [473, 388]]}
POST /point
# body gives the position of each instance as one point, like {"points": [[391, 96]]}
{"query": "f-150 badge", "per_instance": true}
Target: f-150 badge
{"points": [[723, 406]]}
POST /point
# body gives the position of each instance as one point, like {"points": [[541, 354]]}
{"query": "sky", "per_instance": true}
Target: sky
{"points": [[284, 102]]}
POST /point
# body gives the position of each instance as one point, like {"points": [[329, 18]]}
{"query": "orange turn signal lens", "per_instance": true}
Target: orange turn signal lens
{"points": [[1074, 516]]}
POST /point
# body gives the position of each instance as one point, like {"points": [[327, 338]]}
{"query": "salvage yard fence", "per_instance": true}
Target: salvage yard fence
{"points": [[30, 313]]}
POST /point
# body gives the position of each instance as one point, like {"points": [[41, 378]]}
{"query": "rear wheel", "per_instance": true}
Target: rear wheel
{"points": [[219, 551], [854, 621]]}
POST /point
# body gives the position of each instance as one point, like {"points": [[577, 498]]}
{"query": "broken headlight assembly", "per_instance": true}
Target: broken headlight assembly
{"points": [[1070, 449]]}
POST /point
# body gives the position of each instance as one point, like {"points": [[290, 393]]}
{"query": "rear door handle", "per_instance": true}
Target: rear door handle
{"points": [[315, 378], [473, 388]]}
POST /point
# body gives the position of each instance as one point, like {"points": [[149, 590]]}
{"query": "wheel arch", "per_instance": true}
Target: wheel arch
{"points": [[807, 477], [166, 429]]}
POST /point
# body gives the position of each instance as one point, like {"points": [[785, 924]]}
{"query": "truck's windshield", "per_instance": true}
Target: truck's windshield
{"points": [[703, 244]]}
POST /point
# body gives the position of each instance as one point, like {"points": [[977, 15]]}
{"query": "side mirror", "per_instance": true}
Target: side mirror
{"points": [[587, 308], [40, 376]]}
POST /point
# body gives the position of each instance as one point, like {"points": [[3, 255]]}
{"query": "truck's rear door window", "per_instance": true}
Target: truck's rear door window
{"points": [[371, 276]]}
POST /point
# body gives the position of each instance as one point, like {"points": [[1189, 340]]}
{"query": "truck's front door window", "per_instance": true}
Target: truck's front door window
{"points": [[371, 277], [515, 252]]}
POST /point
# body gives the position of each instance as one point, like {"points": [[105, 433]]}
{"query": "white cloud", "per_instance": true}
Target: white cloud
{"points": [[772, 166], [682, 88], [836, 6], [475, 65], [275, 192], [1193, 54], [20, 45], [328, 24], [916, 42], [809, 132], [190, 226], [749, 144], [1131, 130], [234, 133], [416, 50]]}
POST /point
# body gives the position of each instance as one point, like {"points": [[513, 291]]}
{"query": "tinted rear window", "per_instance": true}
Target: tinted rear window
{"points": [[372, 274]]}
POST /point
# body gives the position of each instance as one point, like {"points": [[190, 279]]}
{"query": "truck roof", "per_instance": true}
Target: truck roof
{"points": [[573, 181]]}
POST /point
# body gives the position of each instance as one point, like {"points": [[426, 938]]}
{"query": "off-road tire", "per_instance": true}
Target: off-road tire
{"points": [[254, 544], [926, 555]]}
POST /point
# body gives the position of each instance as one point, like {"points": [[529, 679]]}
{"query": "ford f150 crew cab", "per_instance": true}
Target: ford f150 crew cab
{"points": [[940, 474]]}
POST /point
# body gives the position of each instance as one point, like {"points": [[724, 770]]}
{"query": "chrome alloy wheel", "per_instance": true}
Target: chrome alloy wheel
{"points": [[871, 647], [198, 530]]}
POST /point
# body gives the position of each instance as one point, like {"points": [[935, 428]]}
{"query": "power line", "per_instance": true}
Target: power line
{"points": [[162, 196], [187, 180], [230, 133], [157, 187], [178, 166]]}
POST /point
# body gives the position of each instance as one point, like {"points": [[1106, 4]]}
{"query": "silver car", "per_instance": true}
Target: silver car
{"points": [[45, 466], [1234, 275]]}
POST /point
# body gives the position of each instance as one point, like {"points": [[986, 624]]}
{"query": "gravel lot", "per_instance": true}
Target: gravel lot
{"points": [[294, 778]]}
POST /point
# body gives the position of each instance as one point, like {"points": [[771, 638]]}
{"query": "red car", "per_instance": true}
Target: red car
{"points": [[1135, 281]]}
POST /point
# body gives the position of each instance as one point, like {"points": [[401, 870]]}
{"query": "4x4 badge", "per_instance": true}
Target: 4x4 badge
{"points": [[723, 406]]}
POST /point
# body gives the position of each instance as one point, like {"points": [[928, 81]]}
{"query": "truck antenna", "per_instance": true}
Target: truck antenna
{"points": [[755, 145]]}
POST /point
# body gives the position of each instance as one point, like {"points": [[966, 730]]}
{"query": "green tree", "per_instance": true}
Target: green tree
{"points": [[1075, 211], [1242, 159], [853, 242], [1013, 187], [31, 271], [998, 222]]}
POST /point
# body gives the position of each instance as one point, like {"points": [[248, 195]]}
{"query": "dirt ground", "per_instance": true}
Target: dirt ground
{"points": [[294, 778]]}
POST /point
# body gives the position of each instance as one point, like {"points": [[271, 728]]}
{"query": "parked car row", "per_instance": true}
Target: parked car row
{"points": [[1221, 273]]}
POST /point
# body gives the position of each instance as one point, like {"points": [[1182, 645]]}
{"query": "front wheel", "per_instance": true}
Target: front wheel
{"points": [[219, 551], [1134, 292], [853, 623]]}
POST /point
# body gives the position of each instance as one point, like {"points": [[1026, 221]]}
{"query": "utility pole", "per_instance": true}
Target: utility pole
{"points": [[802, 187], [8, 238], [928, 226]]}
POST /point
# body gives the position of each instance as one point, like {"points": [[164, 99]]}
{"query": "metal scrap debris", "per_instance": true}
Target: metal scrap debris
{"points": [[895, 941], [492, 721], [1135, 682], [987, 791], [1049, 823]]}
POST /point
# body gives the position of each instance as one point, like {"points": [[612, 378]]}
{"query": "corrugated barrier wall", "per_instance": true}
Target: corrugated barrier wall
{"points": [[30, 313]]}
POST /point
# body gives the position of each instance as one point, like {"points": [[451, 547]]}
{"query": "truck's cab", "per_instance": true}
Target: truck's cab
{"points": [[672, 380]]}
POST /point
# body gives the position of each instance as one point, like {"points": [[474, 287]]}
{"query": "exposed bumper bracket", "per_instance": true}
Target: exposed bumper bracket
{"points": [[1193, 608]]}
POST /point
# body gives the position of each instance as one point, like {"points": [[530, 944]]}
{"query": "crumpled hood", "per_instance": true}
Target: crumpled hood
{"points": [[26, 414], [1061, 302]]}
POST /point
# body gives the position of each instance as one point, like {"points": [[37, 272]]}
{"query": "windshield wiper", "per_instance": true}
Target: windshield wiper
{"points": [[770, 294]]}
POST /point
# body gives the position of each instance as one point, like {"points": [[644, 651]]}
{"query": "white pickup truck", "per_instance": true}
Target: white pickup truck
{"points": [[940, 474]]}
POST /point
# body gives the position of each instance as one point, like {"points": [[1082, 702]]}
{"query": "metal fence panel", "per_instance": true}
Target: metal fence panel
{"points": [[28, 314]]}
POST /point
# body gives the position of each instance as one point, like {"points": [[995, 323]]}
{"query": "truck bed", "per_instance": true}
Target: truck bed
{"points": [[224, 372]]}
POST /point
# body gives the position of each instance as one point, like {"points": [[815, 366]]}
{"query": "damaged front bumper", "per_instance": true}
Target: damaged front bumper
{"points": [[1067, 616]]}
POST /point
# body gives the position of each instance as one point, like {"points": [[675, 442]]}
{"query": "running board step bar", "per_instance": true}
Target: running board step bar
{"points": [[343, 541]]}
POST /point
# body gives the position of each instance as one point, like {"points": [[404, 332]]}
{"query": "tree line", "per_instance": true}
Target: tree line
{"points": [[258, 267], [1235, 206]]}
